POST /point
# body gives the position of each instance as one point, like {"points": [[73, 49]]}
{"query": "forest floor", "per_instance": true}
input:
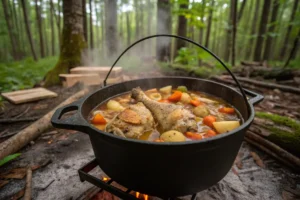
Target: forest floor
{"points": [[58, 154]]}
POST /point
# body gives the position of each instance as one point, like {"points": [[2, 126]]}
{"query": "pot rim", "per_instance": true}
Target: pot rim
{"points": [[205, 140]]}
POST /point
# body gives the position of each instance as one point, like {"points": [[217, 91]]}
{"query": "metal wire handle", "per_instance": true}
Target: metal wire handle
{"points": [[188, 40]]}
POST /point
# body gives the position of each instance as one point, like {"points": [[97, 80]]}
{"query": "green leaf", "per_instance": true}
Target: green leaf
{"points": [[9, 158]]}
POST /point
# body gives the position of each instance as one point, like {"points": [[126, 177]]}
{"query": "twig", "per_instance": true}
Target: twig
{"points": [[13, 120], [22, 113], [257, 159], [27, 195], [44, 188], [270, 152], [12, 133], [274, 148]]}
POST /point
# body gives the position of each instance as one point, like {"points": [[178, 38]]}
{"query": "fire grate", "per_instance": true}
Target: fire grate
{"points": [[106, 184]]}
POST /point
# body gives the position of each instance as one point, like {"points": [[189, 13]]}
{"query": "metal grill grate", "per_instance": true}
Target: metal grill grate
{"points": [[106, 185]]}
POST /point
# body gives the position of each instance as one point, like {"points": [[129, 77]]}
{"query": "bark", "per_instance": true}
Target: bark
{"points": [[262, 30], [10, 29], [163, 44], [111, 26], [85, 29], [137, 19], [241, 11], [253, 31], [102, 17], [202, 21], [53, 13], [289, 29], [234, 24], [229, 35], [271, 29], [18, 141], [40, 26], [28, 188], [293, 51], [59, 24], [17, 30], [97, 40], [209, 23], [182, 25], [72, 41], [91, 26], [52, 29], [21, 26], [128, 27], [26, 21]]}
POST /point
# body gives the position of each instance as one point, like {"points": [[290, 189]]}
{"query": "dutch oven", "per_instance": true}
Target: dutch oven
{"points": [[163, 169]]}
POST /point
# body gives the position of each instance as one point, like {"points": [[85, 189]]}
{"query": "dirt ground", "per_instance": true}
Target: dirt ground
{"points": [[60, 153]]}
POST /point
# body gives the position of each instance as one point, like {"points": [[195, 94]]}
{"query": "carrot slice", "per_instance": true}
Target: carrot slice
{"points": [[227, 110], [194, 136], [210, 133], [98, 119], [158, 140], [209, 120], [176, 96], [196, 102], [164, 101]]}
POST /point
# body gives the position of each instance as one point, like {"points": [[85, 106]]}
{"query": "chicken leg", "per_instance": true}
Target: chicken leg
{"points": [[168, 116]]}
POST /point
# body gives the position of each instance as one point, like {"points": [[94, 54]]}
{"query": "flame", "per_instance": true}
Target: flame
{"points": [[105, 179], [137, 194], [141, 196]]}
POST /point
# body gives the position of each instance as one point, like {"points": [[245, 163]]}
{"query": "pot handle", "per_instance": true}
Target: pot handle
{"points": [[190, 41], [255, 97], [73, 122]]}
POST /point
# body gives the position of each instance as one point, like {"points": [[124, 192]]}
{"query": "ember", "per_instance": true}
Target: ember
{"points": [[139, 196]]}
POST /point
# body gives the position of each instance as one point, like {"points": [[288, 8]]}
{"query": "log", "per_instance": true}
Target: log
{"points": [[274, 148], [251, 63], [30, 133], [266, 150], [267, 84], [28, 188]]}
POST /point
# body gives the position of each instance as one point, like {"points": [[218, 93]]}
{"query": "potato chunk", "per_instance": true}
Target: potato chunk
{"points": [[225, 126], [172, 136]]}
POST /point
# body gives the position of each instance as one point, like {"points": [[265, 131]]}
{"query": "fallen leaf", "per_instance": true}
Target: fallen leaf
{"points": [[17, 173], [3, 182], [18, 195], [234, 171], [238, 160], [257, 159], [9, 158]]}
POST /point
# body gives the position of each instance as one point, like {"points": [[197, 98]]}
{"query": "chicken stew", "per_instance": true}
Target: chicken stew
{"points": [[165, 114]]}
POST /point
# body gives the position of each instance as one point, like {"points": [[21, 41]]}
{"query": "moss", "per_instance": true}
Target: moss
{"points": [[72, 45], [286, 139]]}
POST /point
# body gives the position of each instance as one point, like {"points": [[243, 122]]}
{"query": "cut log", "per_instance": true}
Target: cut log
{"points": [[101, 71], [28, 95], [266, 84], [31, 132], [69, 80]]}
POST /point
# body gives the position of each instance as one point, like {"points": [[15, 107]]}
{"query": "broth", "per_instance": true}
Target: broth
{"points": [[208, 115]]}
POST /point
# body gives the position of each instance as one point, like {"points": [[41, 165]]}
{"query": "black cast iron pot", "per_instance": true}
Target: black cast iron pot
{"points": [[163, 169]]}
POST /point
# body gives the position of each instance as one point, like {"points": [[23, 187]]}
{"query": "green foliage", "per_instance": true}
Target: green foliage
{"points": [[9, 158], [24, 74]]}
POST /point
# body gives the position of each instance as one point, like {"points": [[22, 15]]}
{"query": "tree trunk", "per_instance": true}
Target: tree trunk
{"points": [[229, 34], [271, 29], [137, 30], [52, 29], [28, 30], [111, 26], [91, 26], [121, 32], [40, 27], [182, 25], [262, 30], [17, 31], [234, 23], [128, 27], [21, 26], [293, 51], [202, 21], [287, 36], [102, 17], [209, 23], [10, 30], [253, 31], [72, 41], [164, 26], [59, 24], [97, 40], [241, 11], [85, 31]]}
